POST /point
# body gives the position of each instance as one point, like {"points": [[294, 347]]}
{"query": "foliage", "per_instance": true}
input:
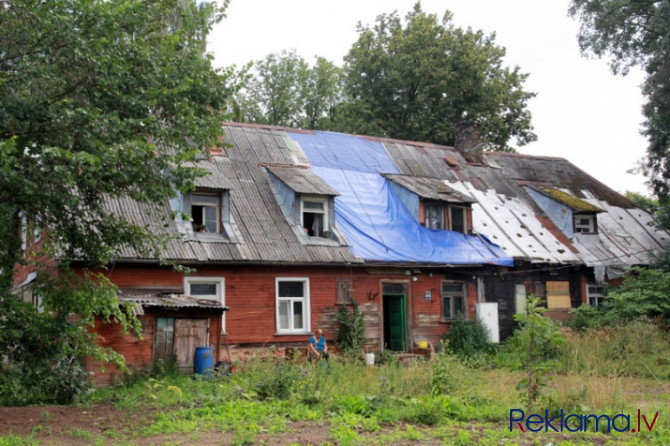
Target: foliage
{"points": [[648, 204], [351, 335], [284, 90], [536, 344], [636, 33], [98, 100], [467, 338], [416, 80]]}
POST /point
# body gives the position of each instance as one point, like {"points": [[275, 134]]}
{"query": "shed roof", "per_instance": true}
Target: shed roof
{"points": [[429, 188], [174, 301]]}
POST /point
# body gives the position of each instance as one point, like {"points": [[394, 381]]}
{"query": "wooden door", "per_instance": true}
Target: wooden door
{"points": [[189, 334], [395, 322]]}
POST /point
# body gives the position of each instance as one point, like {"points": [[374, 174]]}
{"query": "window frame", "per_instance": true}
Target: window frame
{"points": [[305, 299], [592, 227], [324, 212], [220, 295], [464, 213], [599, 297], [440, 207], [449, 297], [193, 202]]}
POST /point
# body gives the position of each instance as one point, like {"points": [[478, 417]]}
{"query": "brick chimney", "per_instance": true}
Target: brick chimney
{"points": [[468, 141]]}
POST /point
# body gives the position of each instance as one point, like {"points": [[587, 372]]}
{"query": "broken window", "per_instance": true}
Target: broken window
{"points": [[206, 212], [292, 305], [314, 216], [453, 299], [585, 223]]}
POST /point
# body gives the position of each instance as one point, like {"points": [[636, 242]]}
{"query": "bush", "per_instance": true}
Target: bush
{"points": [[468, 338], [351, 335]]}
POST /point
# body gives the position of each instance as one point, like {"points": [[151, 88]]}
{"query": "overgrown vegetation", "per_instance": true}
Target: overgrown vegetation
{"points": [[351, 334], [468, 337]]}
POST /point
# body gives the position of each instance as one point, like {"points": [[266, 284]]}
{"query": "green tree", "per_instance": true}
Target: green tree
{"points": [[284, 90], [415, 80], [636, 33], [98, 100]]}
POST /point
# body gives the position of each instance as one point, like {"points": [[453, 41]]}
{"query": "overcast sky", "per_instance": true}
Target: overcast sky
{"points": [[582, 112]]}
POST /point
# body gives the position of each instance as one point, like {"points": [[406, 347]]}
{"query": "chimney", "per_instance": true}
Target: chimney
{"points": [[468, 141]]}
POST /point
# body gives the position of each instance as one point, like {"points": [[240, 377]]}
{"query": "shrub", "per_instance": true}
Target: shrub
{"points": [[351, 335], [467, 338]]}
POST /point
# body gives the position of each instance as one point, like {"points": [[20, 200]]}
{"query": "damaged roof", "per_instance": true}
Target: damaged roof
{"points": [[171, 301], [501, 191]]}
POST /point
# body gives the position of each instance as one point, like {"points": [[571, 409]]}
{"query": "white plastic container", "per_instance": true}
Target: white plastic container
{"points": [[369, 359]]}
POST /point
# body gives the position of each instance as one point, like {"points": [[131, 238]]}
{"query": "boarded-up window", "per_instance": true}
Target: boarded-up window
{"points": [[343, 291], [558, 295]]}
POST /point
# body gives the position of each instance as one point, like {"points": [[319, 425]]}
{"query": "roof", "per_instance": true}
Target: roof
{"points": [[509, 221], [302, 180], [429, 188], [173, 301]]}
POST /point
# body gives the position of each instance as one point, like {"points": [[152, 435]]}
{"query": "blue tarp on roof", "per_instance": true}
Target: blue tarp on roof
{"points": [[372, 217]]}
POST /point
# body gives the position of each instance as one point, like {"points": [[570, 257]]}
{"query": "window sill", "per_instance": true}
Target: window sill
{"points": [[294, 333]]}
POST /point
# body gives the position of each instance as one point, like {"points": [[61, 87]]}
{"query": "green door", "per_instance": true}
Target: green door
{"points": [[395, 322]]}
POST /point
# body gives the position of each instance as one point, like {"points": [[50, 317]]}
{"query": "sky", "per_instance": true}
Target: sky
{"points": [[582, 112]]}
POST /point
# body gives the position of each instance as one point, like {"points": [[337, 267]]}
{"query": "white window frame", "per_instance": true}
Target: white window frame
{"points": [[314, 199], [440, 214], [447, 298], [305, 299], [220, 295], [590, 228], [195, 202], [598, 297]]}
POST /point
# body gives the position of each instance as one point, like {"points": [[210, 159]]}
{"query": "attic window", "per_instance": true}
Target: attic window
{"points": [[206, 212], [585, 223], [439, 216], [314, 216]]}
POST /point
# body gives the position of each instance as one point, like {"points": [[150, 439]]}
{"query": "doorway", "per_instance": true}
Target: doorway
{"points": [[395, 316]]}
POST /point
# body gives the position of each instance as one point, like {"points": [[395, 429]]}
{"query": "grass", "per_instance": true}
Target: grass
{"points": [[446, 400]]}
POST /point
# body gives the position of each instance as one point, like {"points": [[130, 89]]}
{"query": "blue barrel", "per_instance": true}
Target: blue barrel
{"points": [[203, 363]]}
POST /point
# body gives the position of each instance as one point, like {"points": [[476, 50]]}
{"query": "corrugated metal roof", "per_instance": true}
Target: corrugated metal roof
{"points": [[429, 188], [302, 181], [142, 301]]}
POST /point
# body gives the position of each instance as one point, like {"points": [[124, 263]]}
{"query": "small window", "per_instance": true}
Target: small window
{"points": [[210, 288], [292, 305], [585, 223], [596, 294], [457, 217], [343, 292], [433, 216], [206, 212], [314, 216], [453, 300]]}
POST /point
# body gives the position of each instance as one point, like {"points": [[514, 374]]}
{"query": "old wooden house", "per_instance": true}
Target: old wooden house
{"points": [[290, 224]]}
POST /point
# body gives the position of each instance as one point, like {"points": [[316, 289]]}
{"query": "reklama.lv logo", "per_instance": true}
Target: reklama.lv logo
{"points": [[576, 422]]}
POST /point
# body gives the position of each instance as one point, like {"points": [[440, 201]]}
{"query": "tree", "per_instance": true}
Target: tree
{"points": [[284, 90], [636, 33], [98, 99], [418, 79]]}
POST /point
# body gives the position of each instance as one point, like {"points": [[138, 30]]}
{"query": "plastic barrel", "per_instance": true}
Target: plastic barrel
{"points": [[203, 363]]}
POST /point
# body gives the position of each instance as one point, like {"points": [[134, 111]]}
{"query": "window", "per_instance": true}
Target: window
{"points": [[206, 212], [433, 216], [210, 288], [596, 294], [585, 223], [314, 215], [453, 298], [457, 219], [558, 295], [292, 305], [343, 292]]}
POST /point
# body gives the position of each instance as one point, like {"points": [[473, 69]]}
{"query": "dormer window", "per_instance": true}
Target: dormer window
{"points": [[445, 216], [314, 215], [433, 216], [585, 223], [206, 212]]}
